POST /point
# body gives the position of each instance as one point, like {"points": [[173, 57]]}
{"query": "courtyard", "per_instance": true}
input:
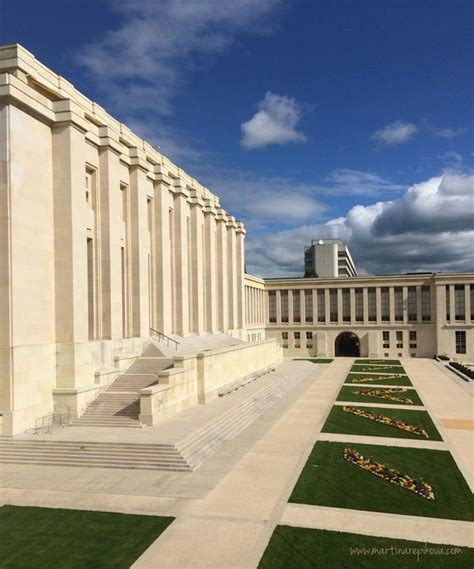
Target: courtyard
{"points": [[325, 477]]}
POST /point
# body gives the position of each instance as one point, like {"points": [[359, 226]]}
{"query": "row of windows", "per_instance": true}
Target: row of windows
{"points": [[399, 339], [399, 303], [459, 302]]}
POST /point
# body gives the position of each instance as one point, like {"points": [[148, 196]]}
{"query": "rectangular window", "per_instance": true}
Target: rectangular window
{"points": [[333, 304], [346, 305], [426, 303], [398, 298], [308, 302], [124, 192], [296, 306], [399, 338], [284, 305], [385, 303], [372, 304], [386, 339], [460, 341], [297, 338], [284, 335], [309, 339], [472, 301], [149, 211], [309, 335], [272, 306], [359, 305], [448, 304], [321, 306], [459, 303], [412, 338], [412, 314]]}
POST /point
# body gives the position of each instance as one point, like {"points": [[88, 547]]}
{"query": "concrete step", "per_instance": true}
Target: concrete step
{"points": [[120, 466]]}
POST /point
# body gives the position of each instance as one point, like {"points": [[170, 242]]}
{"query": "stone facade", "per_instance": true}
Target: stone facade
{"points": [[102, 240], [418, 315]]}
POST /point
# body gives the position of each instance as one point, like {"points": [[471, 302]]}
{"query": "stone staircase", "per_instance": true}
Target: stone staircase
{"points": [[92, 454], [205, 441], [184, 453], [119, 404]]}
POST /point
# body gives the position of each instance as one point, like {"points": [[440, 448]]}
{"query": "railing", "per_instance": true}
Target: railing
{"points": [[165, 338], [51, 421]]}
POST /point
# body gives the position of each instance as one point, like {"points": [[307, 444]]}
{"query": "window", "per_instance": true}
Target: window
{"points": [[90, 182], [309, 339], [472, 301], [399, 338], [448, 304], [308, 303], [359, 305], [284, 305], [284, 339], [321, 306], [386, 339], [412, 315], [412, 338], [398, 297], [385, 303], [372, 304], [124, 192], [426, 303], [297, 338], [333, 305], [272, 306], [346, 305], [296, 306], [459, 303], [460, 342]]}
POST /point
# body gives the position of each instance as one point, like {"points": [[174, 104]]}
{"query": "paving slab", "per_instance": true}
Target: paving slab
{"points": [[385, 441]]}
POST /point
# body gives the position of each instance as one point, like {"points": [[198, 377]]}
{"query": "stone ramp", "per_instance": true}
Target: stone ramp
{"points": [[179, 444], [194, 343]]}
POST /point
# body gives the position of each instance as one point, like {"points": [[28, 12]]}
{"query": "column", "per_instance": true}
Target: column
{"points": [[391, 300], [196, 267], [365, 300], [378, 305], [339, 306], [221, 260], [278, 308], [109, 242], [239, 275], [181, 260], [327, 311], [163, 205], [352, 300], [210, 245], [290, 308], [315, 306], [405, 304], [418, 303], [139, 245], [452, 311]]}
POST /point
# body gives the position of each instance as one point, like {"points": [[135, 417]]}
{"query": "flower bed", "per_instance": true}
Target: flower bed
{"points": [[386, 394], [391, 421], [392, 475], [377, 378]]}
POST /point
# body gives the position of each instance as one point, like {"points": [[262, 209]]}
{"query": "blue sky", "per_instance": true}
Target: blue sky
{"points": [[336, 118]]}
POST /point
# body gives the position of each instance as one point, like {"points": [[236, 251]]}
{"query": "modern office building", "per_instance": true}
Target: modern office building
{"points": [[328, 258]]}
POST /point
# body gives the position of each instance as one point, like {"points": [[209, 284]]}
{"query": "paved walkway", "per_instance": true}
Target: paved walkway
{"points": [[431, 530], [227, 510], [384, 441], [448, 403]]}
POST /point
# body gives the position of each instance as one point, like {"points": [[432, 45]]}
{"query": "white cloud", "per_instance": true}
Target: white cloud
{"points": [[429, 228], [449, 133], [143, 61], [344, 181], [275, 122], [397, 132]]}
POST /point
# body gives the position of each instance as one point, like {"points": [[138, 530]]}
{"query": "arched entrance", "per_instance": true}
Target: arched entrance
{"points": [[347, 344]]}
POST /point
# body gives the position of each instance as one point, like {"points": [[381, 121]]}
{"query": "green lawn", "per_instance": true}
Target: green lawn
{"points": [[315, 360], [378, 362], [329, 480], [340, 421], [302, 548], [347, 394], [403, 381], [46, 538], [371, 369]]}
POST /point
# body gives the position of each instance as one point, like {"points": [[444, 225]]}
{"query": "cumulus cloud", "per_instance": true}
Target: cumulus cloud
{"points": [[275, 122], [394, 133], [144, 60], [429, 228]]}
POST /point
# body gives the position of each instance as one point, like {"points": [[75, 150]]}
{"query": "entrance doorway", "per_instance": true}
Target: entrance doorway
{"points": [[347, 344]]}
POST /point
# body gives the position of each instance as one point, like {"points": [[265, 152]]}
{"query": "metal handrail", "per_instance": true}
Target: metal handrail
{"points": [[165, 337]]}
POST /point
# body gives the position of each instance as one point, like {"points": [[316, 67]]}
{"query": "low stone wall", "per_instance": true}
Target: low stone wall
{"points": [[197, 378]]}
